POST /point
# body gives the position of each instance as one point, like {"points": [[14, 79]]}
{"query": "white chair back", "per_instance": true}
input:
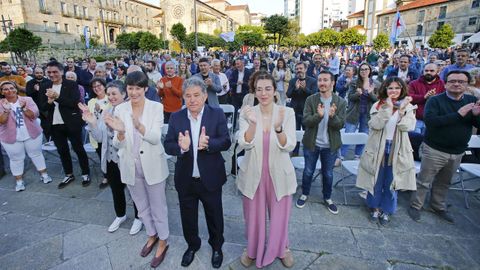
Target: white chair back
{"points": [[227, 108], [164, 129], [354, 138], [299, 134], [474, 142]]}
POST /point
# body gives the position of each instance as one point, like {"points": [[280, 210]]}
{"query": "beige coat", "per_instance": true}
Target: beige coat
{"points": [[372, 157], [286, 80], [280, 166]]}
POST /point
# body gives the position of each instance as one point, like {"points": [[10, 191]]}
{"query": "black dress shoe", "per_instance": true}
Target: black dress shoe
{"points": [[217, 258], [188, 257]]}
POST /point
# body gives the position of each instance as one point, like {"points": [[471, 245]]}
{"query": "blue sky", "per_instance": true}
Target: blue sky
{"points": [[268, 7]]}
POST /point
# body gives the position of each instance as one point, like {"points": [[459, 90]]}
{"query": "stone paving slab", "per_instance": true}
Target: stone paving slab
{"points": [[339, 262], [97, 259], [41, 255], [31, 203], [302, 261]]}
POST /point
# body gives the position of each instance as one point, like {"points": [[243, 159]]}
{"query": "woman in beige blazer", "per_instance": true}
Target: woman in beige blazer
{"points": [[142, 160], [267, 133]]}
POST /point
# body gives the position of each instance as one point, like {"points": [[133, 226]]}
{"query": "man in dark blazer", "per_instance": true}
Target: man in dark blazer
{"points": [[239, 85], [404, 71], [58, 101], [197, 135], [299, 88]]}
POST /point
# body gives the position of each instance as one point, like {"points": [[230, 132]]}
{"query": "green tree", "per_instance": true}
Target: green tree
{"points": [[251, 35], [276, 25], [149, 42], [203, 40], [442, 37], [129, 41], [324, 38], [94, 40], [381, 42], [351, 36], [21, 42], [179, 33], [293, 34]]}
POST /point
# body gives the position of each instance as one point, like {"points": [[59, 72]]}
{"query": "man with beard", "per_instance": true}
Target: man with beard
{"points": [[211, 80], [152, 72], [428, 85], [33, 86], [299, 88], [319, 64], [9, 76]]}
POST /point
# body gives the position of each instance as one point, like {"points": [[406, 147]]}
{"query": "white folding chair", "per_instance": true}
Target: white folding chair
{"points": [[351, 166], [470, 168], [230, 110]]}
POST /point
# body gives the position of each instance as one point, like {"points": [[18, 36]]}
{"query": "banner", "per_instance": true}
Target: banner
{"points": [[228, 36], [398, 25], [87, 38]]}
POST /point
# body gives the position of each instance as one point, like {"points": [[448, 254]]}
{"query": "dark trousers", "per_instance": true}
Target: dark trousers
{"points": [[166, 117], [237, 101], [212, 205], [99, 153], [223, 99], [61, 134], [118, 190]]}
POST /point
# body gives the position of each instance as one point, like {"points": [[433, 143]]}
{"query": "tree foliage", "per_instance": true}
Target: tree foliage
{"points": [[21, 42], [129, 41], [276, 25], [351, 36], [203, 40], [149, 42], [179, 33], [250, 35], [94, 41], [381, 42], [324, 38], [442, 37]]}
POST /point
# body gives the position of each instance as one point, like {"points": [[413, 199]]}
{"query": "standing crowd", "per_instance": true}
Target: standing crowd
{"points": [[139, 111]]}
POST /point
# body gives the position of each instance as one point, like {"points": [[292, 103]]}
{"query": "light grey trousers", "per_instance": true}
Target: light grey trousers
{"points": [[436, 173], [152, 206]]}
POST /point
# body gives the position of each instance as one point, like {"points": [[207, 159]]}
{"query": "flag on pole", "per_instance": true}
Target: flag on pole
{"points": [[228, 36], [398, 25], [87, 38]]}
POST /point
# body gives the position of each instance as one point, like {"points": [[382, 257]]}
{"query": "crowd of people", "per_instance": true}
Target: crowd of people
{"points": [[399, 98]]}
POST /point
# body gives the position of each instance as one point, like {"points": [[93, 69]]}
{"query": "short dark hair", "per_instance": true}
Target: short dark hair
{"points": [[382, 92], [137, 78], [301, 63], [465, 50], [98, 80], [466, 73], [117, 84], [405, 55], [264, 75], [203, 60], [152, 62], [332, 77], [55, 64]]}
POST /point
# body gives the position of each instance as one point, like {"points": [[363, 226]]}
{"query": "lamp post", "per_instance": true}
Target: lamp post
{"points": [[195, 25], [103, 27]]}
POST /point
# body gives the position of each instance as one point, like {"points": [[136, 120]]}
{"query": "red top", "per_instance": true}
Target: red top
{"points": [[171, 97], [417, 90]]}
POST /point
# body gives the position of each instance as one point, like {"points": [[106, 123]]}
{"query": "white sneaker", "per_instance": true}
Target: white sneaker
{"points": [[116, 223], [20, 186], [136, 226], [47, 179]]}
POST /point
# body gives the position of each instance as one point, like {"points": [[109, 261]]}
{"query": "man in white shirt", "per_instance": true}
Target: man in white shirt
{"points": [[152, 71], [222, 96]]}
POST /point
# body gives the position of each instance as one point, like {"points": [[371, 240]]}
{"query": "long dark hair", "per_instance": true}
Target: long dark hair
{"points": [[261, 75], [284, 63], [359, 78], [382, 92]]}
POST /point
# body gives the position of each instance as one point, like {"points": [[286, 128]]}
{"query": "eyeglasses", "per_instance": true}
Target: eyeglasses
{"points": [[364, 69], [457, 81]]}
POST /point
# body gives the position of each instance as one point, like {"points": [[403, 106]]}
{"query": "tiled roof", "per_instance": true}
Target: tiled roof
{"points": [[238, 7], [356, 14], [414, 5]]}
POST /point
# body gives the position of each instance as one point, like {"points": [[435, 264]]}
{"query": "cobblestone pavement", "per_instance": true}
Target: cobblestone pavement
{"points": [[47, 228]]}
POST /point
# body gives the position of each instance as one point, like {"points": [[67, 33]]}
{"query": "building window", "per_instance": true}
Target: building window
{"points": [[419, 30], [138, 21], [57, 27], [95, 31], [66, 28], [45, 26], [421, 16], [120, 4], [85, 12], [63, 7], [472, 21], [443, 12], [126, 19], [440, 24], [475, 3], [115, 16], [146, 11], [359, 22], [78, 29], [75, 10], [126, 5]]}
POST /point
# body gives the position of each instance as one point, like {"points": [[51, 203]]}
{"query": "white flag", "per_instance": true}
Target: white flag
{"points": [[398, 25], [228, 36]]}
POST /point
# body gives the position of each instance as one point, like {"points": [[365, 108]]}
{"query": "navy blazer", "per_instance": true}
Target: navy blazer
{"points": [[234, 79], [210, 162], [412, 73], [300, 96]]}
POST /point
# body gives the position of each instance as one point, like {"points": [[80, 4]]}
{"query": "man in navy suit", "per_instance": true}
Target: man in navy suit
{"points": [[239, 84], [404, 71], [197, 135]]}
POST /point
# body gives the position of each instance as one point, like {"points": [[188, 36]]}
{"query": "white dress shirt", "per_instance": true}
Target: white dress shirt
{"points": [[195, 127], [57, 117], [240, 78]]}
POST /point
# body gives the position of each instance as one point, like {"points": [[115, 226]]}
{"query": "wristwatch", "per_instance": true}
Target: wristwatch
{"points": [[279, 131]]}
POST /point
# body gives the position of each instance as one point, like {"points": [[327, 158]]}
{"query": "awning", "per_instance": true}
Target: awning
{"points": [[473, 39]]}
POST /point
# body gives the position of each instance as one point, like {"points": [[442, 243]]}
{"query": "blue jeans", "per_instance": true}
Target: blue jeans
{"points": [[384, 197], [420, 127], [351, 128], [327, 159]]}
